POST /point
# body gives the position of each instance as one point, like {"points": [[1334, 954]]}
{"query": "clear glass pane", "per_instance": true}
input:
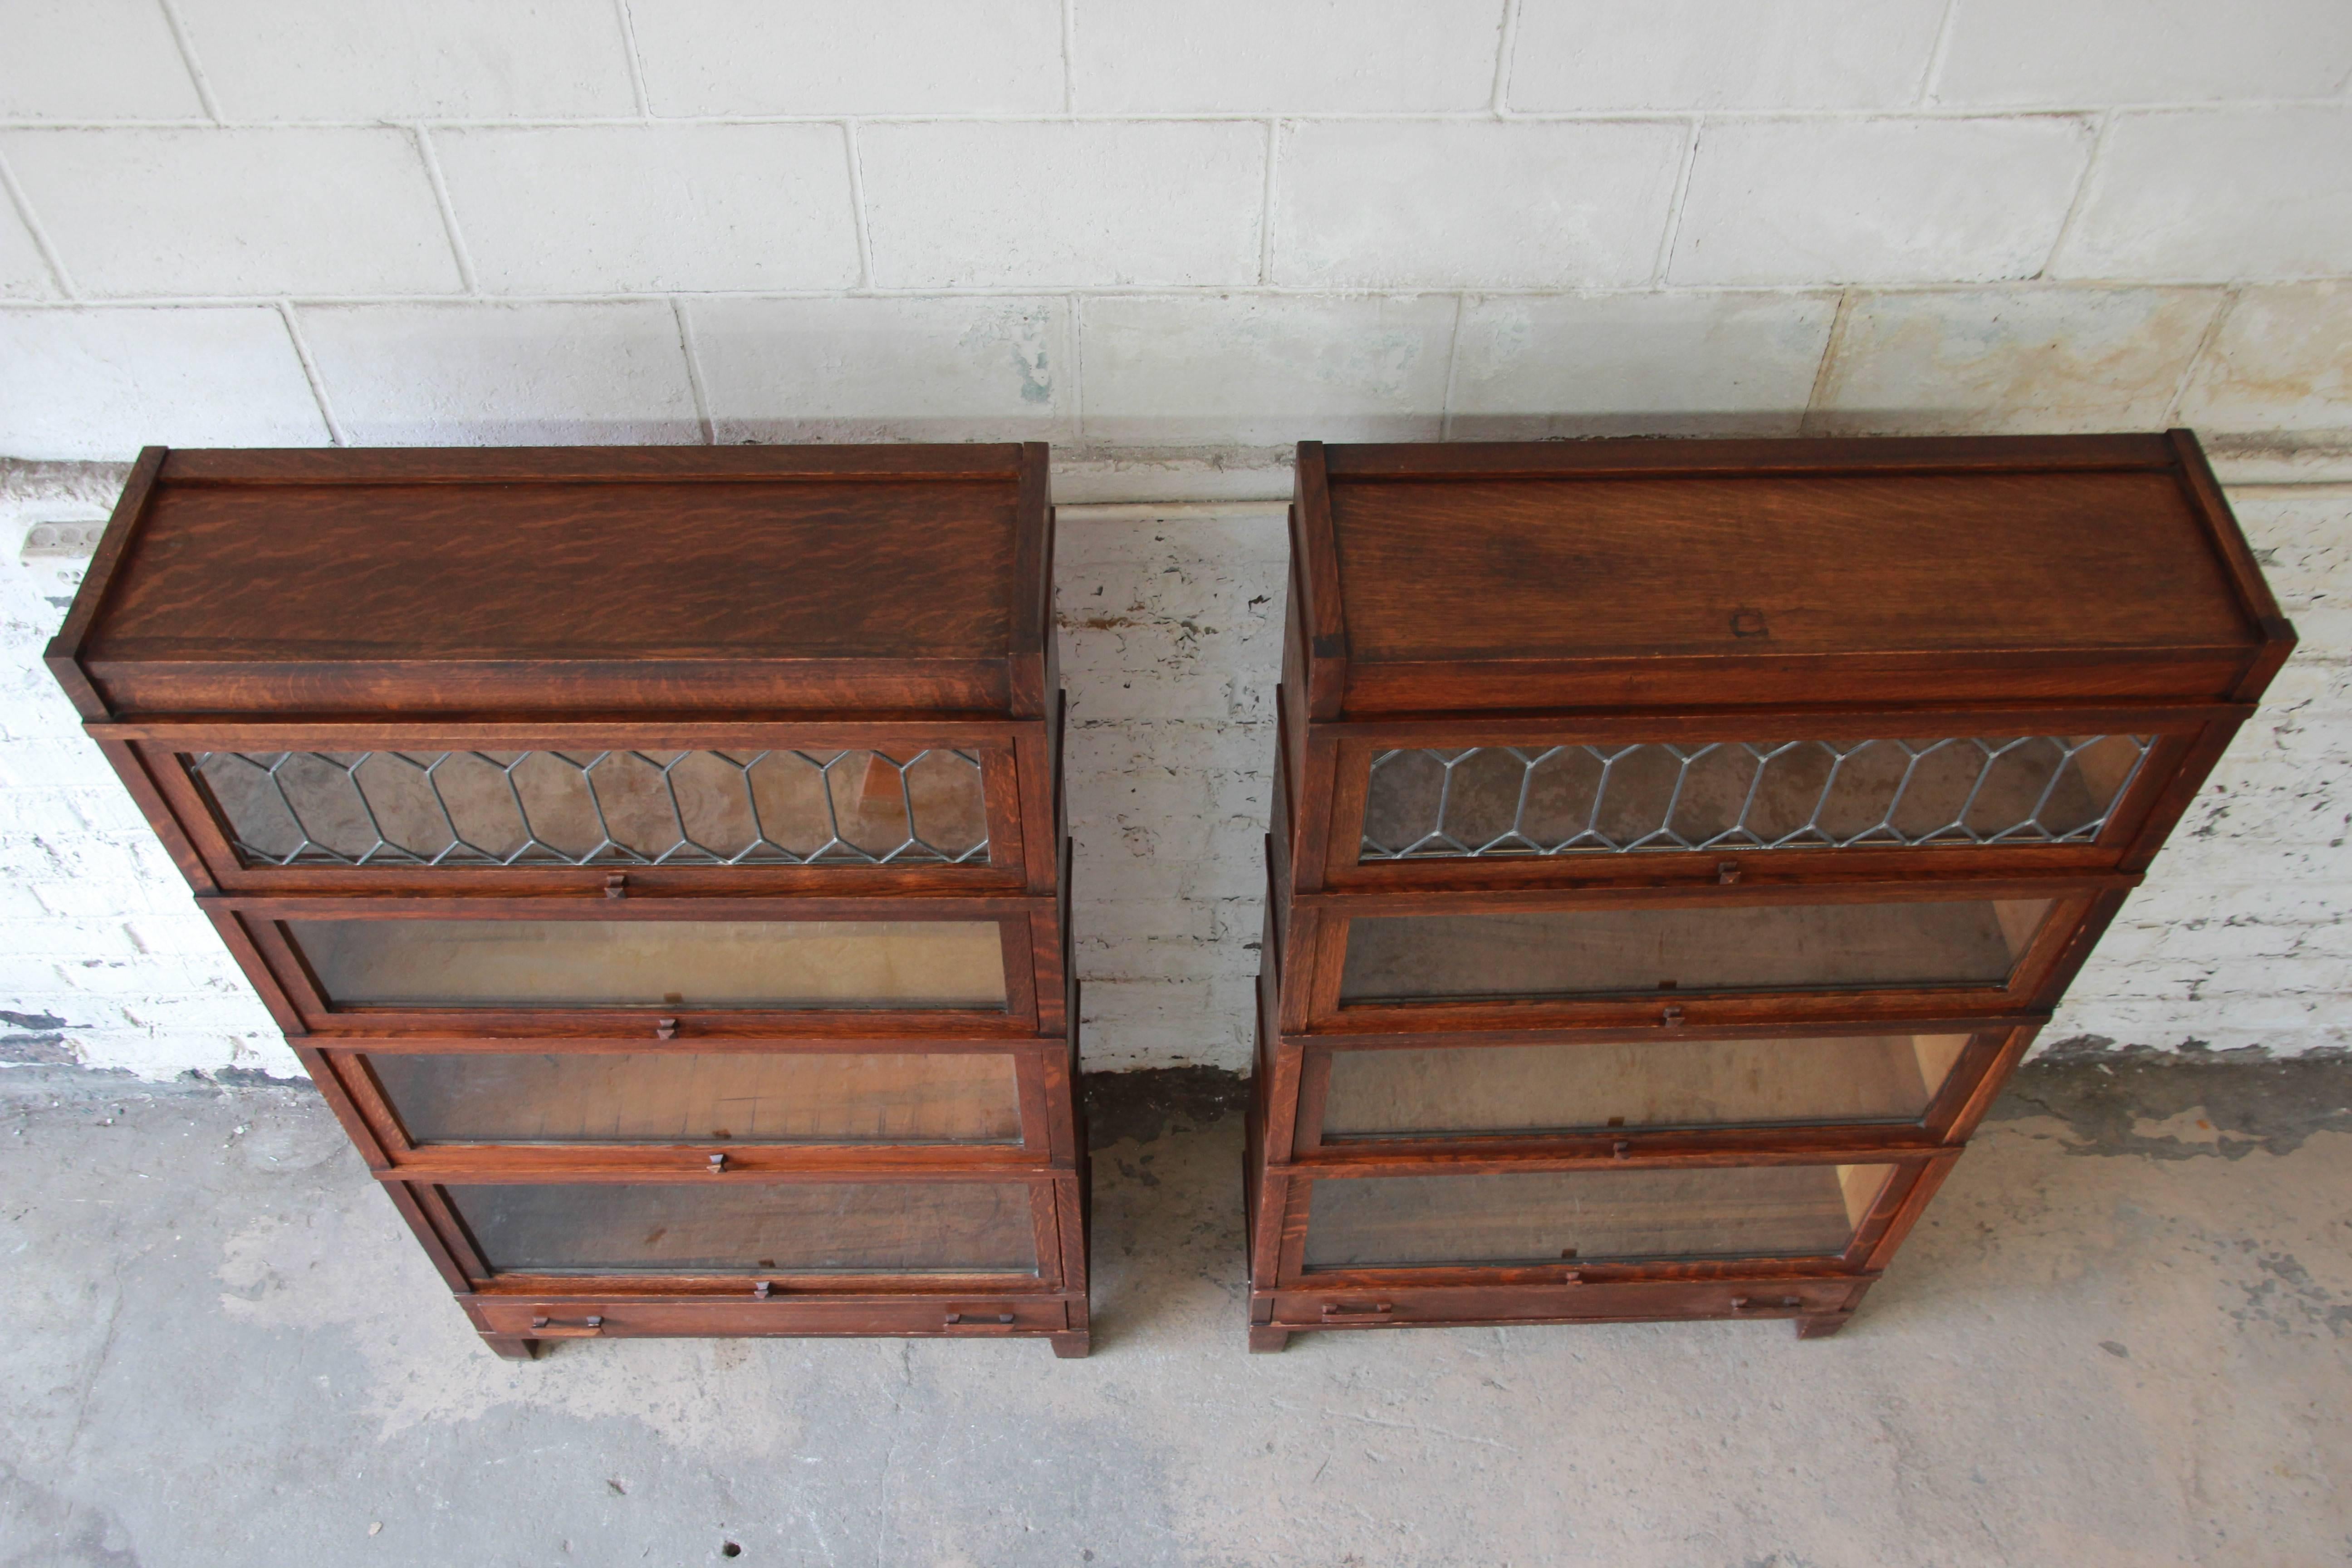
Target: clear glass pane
{"points": [[696, 1097], [1778, 795], [1535, 1217], [616, 807], [1699, 947], [741, 1228], [654, 964], [1469, 1090]]}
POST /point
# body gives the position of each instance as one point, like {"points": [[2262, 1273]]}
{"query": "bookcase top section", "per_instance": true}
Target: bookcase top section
{"points": [[846, 581], [1630, 573]]}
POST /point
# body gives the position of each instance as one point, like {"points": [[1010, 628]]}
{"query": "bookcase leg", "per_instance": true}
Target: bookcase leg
{"points": [[1265, 1342], [1822, 1326], [1071, 1346], [513, 1347]]}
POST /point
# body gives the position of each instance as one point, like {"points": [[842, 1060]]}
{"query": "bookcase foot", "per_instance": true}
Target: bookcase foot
{"points": [[512, 1347], [1822, 1326], [1265, 1342], [1071, 1346]]}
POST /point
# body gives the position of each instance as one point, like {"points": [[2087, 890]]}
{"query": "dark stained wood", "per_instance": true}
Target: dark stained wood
{"points": [[1661, 572], [1753, 455], [1030, 642], [658, 600], [1325, 619], [589, 465], [1604, 593], [64, 656]]}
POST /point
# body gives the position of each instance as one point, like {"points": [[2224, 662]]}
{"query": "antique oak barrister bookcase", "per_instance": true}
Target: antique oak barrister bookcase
{"points": [[655, 855], [1677, 845]]}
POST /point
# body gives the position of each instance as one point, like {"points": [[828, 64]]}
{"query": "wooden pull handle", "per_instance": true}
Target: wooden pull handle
{"points": [[548, 1329], [616, 886], [1670, 1017], [980, 1322], [1726, 872], [1337, 1312]]}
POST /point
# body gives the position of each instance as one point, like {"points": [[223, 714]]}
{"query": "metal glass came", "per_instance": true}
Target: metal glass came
{"points": [[597, 808], [1792, 795]]}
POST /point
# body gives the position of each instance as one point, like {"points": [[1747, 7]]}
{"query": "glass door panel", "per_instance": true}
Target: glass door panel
{"points": [[654, 963], [1458, 1090], [740, 1227], [596, 808], [1465, 802], [1550, 1216], [694, 1097], [1621, 950]]}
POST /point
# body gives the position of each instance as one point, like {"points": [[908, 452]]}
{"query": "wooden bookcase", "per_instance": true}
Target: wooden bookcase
{"points": [[1677, 843], [655, 855]]}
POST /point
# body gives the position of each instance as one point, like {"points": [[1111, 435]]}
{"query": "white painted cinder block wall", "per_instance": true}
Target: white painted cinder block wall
{"points": [[1172, 240]]}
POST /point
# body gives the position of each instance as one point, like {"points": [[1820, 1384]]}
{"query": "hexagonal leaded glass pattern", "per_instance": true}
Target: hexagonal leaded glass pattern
{"points": [[1790, 795], [597, 808]]}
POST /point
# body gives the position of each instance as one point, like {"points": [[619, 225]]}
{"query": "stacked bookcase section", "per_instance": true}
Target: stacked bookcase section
{"points": [[1677, 843], [655, 855]]}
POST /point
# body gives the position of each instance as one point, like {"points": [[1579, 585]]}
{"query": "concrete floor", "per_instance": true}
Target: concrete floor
{"points": [[2121, 1338]]}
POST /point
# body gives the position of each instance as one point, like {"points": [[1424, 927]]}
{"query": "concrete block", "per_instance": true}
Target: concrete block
{"points": [[2142, 51], [2281, 360], [1113, 1048], [884, 370], [1721, 54], [233, 1013], [1480, 205], [111, 899], [1166, 958], [2312, 684], [1528, 367], [93, 60], [1878, 201], [352, 60], [1253, 368], [504, 374], [1113, 921], [886, 57], [2303, 533], [2003, 360], [184, 212], [102, 384], [1143, 1001], [1063, 205], [1291, 57], [2215, 195], [23, 976], [617, 208], [1242, 877], [66, 940], [1101, 872], [136, 982], [1257, 533], [189, 936], [44, 761], [24, 272]]}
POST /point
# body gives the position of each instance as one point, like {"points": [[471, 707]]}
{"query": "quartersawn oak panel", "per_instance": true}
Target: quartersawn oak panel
{"points": [[1468, 569]]}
